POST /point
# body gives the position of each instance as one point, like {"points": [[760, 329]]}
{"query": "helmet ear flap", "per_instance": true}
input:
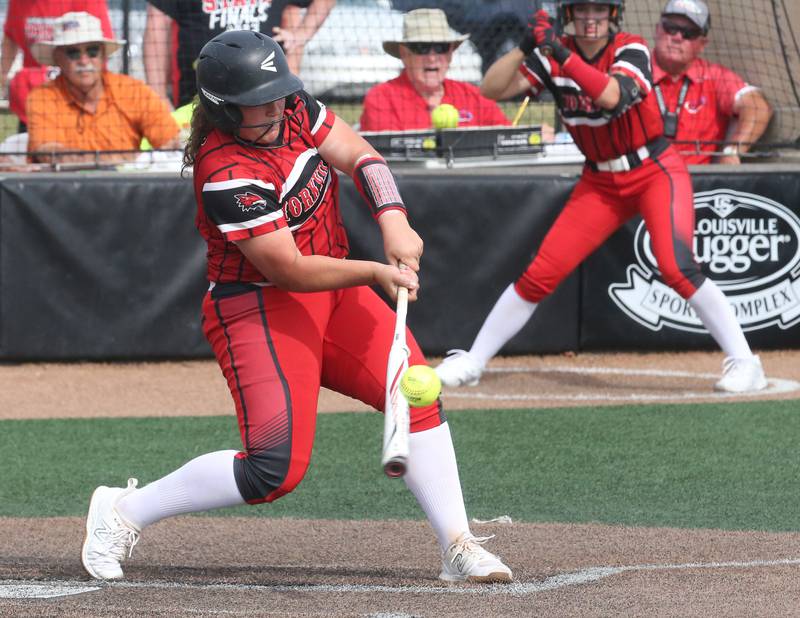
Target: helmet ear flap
{"points": [[233, 115]]}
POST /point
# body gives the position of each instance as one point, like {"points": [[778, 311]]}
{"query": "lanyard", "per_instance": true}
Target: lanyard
{"points": [[671, 117]]}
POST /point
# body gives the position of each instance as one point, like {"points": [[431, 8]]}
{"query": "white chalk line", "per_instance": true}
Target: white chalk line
{"points": [[775, 386], [42, 589]]}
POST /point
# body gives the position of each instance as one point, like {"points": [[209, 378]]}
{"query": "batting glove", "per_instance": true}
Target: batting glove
{"points": [[547, 40], [528, 42]]}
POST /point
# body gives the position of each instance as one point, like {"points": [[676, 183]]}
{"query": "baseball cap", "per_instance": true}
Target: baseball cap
{"points": [[694, 10]]}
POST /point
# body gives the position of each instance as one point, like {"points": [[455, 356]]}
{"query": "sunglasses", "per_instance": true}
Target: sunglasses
{"points": [[75, 53], [422, 49], [687, 32]]}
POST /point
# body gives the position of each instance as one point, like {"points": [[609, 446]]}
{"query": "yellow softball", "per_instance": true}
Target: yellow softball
{"points": [[444, 116], [420, 386]]}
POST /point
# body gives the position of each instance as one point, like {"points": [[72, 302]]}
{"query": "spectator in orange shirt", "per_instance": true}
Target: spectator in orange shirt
{"points": [[87, 107], [29, 21], [406, 102]]}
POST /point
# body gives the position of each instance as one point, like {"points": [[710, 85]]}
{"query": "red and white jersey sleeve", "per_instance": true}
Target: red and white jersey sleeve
{"points": [[243, 192], [600, 135], [242, 207]]}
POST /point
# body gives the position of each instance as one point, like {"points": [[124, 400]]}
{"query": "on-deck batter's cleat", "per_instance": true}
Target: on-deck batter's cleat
{"points": [[459, 369], [466, 561], [741, 375], [109, 539]]}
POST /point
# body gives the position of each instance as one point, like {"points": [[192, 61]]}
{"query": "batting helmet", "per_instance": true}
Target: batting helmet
{"points": [[241, 67], [565, 9]]}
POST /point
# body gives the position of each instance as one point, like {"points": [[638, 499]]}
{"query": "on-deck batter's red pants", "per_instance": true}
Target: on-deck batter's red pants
{"points": [[660, 189], [275, 349]]}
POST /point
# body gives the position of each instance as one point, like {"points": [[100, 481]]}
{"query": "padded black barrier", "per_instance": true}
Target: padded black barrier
{"points": [[747, 240], [101, 266], [480, 231], [110, 266]]}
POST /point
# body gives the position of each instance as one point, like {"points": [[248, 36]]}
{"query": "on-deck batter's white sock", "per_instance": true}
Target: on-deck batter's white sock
{"points": [[510, 313], [718, 317], [206, 482], [432, 476]]}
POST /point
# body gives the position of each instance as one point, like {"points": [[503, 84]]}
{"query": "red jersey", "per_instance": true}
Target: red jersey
{"points": [[244, 192], [599, 135], [396, 106], [31, 21], [709, 105]]}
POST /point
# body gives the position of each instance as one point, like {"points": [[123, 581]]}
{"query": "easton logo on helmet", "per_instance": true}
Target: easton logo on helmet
{"points": [[747, 244], [269, 63]]}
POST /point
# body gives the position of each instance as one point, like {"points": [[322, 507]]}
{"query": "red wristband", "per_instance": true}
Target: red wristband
{"points": [[591, 81]]}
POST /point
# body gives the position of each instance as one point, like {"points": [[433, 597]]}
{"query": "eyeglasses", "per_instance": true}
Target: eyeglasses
{"points": [[75, 53], [422, 49], [687, 32]]}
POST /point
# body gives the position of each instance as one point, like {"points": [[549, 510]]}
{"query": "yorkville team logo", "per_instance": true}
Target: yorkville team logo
{"points": [[747, 244], [250, 201]]}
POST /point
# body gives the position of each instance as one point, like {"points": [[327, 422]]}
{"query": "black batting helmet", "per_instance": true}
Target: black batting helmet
{"points": [[241, 67], [565, 9]]}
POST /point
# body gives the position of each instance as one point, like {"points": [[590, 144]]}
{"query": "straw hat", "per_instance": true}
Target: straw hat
{"points": [[73, 29], [424, 26]]}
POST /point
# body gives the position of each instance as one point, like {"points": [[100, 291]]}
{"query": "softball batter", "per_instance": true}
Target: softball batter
{"points": [[285, 312], [601, 80]]}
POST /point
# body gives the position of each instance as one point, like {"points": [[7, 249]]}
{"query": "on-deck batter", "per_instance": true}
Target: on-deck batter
{"points": [[601, 80]]}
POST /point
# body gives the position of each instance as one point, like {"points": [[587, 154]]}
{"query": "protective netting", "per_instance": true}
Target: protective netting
{"points": [[340, 54]]}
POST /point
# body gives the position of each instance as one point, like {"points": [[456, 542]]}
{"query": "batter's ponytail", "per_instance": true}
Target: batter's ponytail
{"points": [[201, 126]]}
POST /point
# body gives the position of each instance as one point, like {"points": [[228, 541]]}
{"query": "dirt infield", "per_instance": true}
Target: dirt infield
{"points": [[206, 566], [197, 387]]}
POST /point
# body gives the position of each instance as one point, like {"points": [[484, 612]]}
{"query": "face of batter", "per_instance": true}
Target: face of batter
{"points": [[262, 123]]}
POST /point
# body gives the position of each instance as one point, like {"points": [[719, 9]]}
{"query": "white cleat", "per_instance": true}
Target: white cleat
{"points": [[466, 561], [741, 375], [109, 539], [459, 369]]}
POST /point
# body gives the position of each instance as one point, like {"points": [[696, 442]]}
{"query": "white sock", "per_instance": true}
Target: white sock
{"points": [[432, 476], [510, 313], [204, 483], [718, 317]]}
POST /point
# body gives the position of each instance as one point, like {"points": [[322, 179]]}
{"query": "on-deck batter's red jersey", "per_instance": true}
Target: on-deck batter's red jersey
{"points": [[600, 136], [244, 192]]}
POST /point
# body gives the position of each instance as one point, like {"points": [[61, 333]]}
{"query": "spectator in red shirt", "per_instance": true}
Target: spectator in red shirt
{"points": [[702, 103], [29, 22], [406, 101]]}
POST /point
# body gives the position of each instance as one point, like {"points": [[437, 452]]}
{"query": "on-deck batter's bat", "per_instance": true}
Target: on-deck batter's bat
{"points": [[395, 414]]}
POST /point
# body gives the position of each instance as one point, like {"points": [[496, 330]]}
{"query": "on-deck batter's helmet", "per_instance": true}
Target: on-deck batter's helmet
{"points": [[241, 67], [565, 10]]}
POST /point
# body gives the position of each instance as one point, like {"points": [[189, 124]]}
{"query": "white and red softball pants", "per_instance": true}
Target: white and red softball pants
{"points": [[276, 349], [660, 189]]}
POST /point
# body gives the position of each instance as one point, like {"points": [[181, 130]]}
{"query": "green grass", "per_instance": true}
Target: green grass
{"points": [[9, 124], [730, 466]]}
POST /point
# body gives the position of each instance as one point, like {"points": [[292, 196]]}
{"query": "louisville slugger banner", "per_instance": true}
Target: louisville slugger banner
{"points": [[748, 244]]}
